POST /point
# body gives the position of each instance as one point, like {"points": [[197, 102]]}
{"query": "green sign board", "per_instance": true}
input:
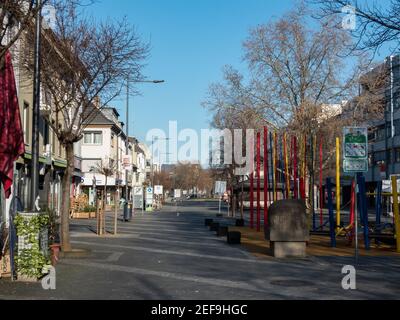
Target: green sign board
{"points": [[355, 149]]}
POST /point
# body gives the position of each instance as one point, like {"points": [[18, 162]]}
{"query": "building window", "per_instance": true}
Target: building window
{"points": [[93, 138], [380, 134], [112, 140]]}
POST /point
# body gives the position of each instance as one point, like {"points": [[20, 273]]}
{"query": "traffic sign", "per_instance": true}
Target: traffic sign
{"points": [[177, 193], [220, 187], [355, 149], [158, 190]]}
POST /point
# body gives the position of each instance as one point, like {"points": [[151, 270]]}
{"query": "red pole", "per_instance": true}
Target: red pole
{"points": [[304, 174], [276, 166], [258, 180], [296, 194], [265, 177], [321, 195], [252, 188]]}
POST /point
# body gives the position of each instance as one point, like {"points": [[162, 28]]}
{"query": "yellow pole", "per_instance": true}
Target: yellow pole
{"points": [[338, 182], [396, 212]]}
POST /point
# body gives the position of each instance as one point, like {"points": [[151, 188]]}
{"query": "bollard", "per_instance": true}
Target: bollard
{"points": [[233, 237], [239, 223], [214, 226], [222, 231]]}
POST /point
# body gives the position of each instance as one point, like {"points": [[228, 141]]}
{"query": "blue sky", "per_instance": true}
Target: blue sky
{"points": [[191, 41]]}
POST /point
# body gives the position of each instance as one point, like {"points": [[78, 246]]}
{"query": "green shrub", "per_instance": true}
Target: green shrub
{"points": [[30, 260]]}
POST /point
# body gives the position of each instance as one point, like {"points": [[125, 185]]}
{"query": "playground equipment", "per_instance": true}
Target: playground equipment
{"points": [[290, 165]]}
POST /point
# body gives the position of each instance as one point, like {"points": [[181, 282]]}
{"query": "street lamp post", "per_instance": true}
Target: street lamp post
{"points": [[36, 111], [127, 215], [152, 157]]}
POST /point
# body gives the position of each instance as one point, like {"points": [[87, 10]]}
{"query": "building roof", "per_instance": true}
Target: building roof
{"points": [[105, 116], [96, 116]]}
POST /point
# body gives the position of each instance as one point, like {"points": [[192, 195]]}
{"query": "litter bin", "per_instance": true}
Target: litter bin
{"points": [[128, 211]]}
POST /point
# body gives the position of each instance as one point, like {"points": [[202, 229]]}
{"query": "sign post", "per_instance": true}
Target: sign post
{"points": [[220, 189], [149, 199], [355, 160]]}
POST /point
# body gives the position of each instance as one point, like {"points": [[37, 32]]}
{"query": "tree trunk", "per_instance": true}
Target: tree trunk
{"points": [[104, 206], [65, 204]]}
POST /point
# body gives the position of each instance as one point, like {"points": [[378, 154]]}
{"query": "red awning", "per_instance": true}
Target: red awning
{"points": [[11, 133]]}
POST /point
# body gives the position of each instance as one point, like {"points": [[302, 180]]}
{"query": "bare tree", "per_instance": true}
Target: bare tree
{"points": [[107, 169], [15, 17], [295, 73], [84, 65], [377, 23], [163, 178]]}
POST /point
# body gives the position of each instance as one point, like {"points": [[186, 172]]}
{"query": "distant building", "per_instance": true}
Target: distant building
{"points": [[384, 134], [103, 142]]}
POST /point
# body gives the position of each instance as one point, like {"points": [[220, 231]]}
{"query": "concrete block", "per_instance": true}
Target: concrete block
{"points": [[288, 249], [287, 221], [207, 222]]}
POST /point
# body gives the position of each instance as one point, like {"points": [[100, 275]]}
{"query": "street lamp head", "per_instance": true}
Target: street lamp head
{"points": [[158, 81]]}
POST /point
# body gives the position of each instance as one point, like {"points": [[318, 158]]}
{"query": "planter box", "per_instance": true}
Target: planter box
{"points": [[81, 215], [24, 278], [5, 267], [26, 242]]}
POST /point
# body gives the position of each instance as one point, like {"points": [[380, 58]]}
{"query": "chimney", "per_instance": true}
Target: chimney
{"points": [[96, 102]]}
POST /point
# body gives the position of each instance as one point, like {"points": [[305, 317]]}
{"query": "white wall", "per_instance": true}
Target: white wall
{"points": [[102, 151]]}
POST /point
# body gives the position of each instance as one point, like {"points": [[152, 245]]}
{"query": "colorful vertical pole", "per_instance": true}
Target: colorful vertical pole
{"points": [[285, 155], [396, 212], [311, 182], [304, 167], [364, 216], [275, 167], [296, 190], [271, 147], [252, 187], [258, 180], [352, 209], [338, 182], [365, 213], [266, 177], [378, 206], [281, 168], [321, 192], [331, 214]]}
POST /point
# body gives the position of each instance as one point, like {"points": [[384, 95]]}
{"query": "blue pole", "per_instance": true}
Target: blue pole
{"points": [[312, 183], [378, 206], [332, 223]]}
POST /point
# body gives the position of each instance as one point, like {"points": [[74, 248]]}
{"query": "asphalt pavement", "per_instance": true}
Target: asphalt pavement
{"points": [[170, 254]]}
